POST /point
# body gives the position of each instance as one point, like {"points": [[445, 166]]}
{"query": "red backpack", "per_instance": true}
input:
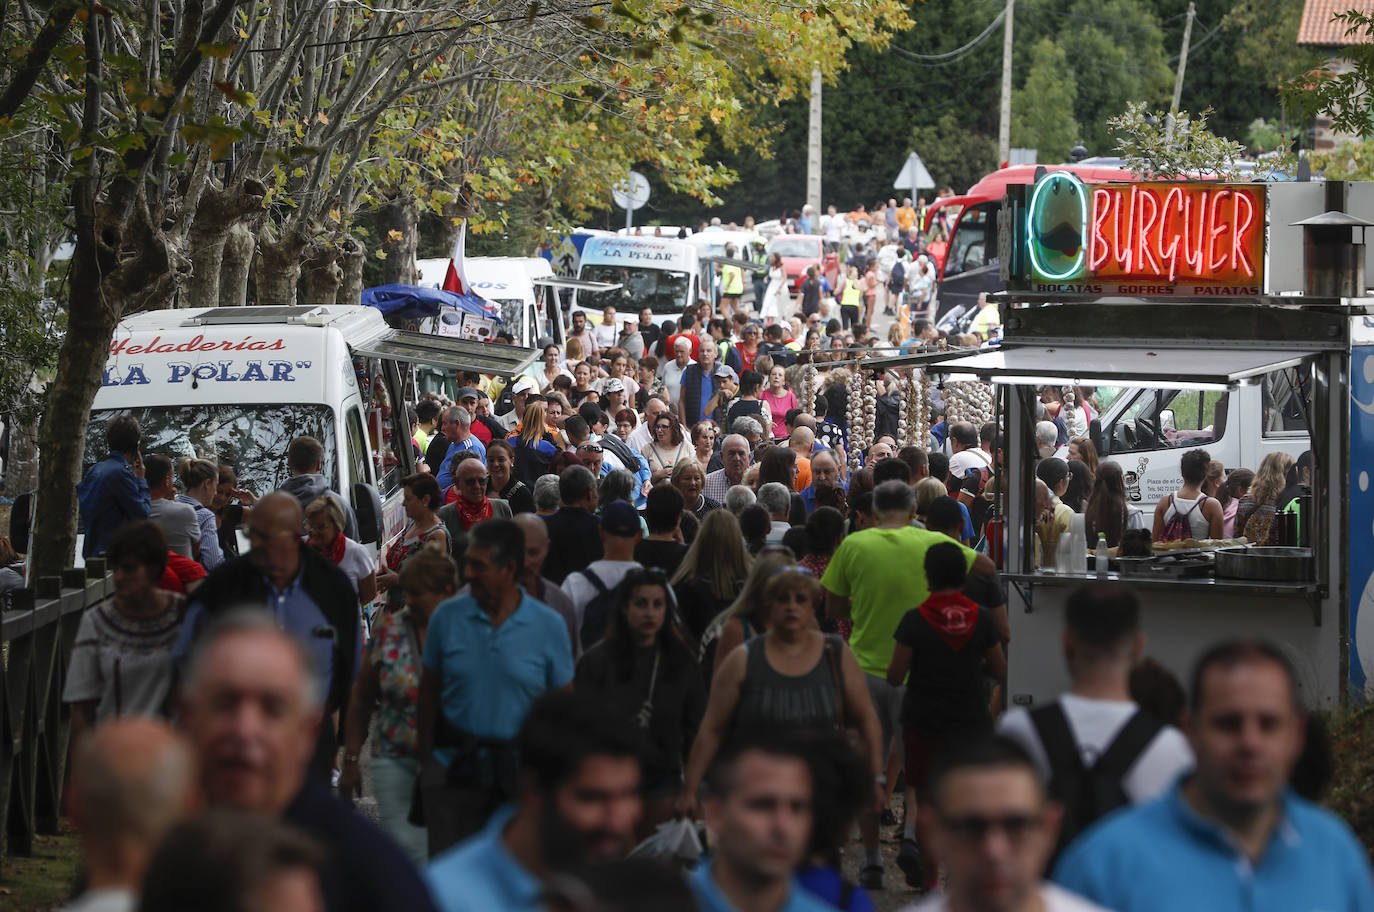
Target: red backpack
{"points": [[1178, 528]]}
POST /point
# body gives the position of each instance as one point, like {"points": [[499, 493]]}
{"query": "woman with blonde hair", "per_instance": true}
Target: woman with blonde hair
{"points": [[324, 524], [533, 445], [1255, 514], [200, 480], [712, 571], [690, 480]]}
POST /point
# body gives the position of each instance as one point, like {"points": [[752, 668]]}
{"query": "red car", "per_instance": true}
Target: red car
{"points": [[798, 251]]}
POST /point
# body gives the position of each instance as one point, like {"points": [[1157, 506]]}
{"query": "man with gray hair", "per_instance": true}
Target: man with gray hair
{"points": [[749, 428], [873, 579], [132, 780], [734, 459], [574, 533], [737, 498], [546, 495], [251, 705], [777, 500], [458, 430], [1046, 436]]}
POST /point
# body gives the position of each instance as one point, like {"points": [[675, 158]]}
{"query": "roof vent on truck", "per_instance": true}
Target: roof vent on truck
{"points": [[221, 316]]}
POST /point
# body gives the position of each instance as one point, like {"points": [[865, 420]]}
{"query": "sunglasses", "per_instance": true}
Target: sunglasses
{"points": [[479, 480], [973, 829], [589, 448]]}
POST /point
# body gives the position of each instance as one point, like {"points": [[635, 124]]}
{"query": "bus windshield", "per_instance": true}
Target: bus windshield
{"points": [[661, 290]]}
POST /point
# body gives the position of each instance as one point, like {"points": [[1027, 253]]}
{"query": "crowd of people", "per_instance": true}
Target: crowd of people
{"points": [[674, 573]]}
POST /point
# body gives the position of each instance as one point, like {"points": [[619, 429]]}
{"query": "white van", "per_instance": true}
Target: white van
{"points": [[236, 384], [1146, 431], [659, 273]]}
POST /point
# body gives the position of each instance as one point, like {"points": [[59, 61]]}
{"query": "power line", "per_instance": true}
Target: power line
{"points": [[982, 36]]}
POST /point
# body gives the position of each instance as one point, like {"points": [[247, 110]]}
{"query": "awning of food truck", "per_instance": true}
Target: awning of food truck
{"points": [[1214, 368], [448, 352]]}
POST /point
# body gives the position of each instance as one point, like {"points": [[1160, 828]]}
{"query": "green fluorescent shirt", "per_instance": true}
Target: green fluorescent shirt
{"points": [[882, 571]]}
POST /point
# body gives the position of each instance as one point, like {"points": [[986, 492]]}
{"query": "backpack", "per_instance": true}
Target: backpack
{"points": [[1177, 527], [596, 612], [1088, 794], [896, 280]]}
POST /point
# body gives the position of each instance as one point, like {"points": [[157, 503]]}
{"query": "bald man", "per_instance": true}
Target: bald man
{"points": [[309, 596], [132, 780], [801, 443], [251, 704]]}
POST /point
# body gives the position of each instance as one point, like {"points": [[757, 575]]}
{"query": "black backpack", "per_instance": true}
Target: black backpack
{"points": [[1088, 794], [897, 278], [597, 611]]}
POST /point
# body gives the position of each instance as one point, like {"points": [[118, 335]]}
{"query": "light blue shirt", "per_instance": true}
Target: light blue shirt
{"points": [[711, 899], [1164, 855], [489, 677], [480, 874], [445, 476]]}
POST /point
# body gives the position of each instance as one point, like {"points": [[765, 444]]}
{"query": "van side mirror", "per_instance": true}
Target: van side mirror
{"points": [[367, 504], [1095, 435]]}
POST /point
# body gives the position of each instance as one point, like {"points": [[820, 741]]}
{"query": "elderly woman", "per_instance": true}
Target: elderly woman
{"points": [[420, 500], [121, 661], [689, 478], [324, 524], [704, 434]]}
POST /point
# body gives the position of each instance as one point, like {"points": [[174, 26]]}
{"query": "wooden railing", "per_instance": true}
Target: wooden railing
{"points": [[37, 628]]}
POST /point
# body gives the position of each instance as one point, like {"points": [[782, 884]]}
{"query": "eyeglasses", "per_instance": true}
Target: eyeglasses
{"points": [[663, 426], [589, 448], [478, 480], [974, 829]]}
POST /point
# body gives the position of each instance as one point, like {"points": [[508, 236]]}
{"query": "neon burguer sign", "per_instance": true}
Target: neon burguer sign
{"points": [[1152, 238]]}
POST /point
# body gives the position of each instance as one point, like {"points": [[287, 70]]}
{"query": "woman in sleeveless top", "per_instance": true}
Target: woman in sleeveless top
{"points": [[421, 500], [668, 446], [793, 678]]}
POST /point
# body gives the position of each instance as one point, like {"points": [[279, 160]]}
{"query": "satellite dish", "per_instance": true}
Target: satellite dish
{"points": [[632, 192]]}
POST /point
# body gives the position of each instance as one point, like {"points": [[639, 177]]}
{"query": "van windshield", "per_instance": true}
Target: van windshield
{"points": [[661, 290], [795, 247], [252, 438]]}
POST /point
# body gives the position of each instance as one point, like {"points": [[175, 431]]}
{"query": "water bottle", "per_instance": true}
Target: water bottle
{"points": [[1100, 556], [1078, 546]]}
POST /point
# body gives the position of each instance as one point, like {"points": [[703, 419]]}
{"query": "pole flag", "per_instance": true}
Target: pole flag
{"points": [[456, 279]]}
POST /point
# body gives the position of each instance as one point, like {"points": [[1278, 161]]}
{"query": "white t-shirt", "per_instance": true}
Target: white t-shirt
{"points": [[962, 461], [1053, 898], [580, 589], [605, 335], [1095, 724], [356, 563], [832, 226], [178, 522]]}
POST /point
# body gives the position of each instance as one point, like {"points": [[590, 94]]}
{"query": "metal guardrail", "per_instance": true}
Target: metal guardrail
{"points": [[37, 628]]}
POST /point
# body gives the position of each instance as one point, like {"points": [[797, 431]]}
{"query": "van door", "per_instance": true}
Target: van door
{"points": [[387, 433]]}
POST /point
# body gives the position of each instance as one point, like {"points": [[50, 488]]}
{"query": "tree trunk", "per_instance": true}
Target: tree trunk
{"points": [[236, 264], [352, 254], [21, 461], [277, 267], [62, 436], [218, 213], [322, 276], [401, 215]]}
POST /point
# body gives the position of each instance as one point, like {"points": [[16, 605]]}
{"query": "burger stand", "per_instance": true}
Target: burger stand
{"points": [[1190, 286]]}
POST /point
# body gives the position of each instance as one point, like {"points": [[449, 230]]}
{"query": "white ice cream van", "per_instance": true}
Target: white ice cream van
{"points": [[236, 384], [661, 274]]}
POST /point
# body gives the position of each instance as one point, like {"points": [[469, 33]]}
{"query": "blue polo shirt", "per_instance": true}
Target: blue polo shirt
{"points": [[480, 874], [1164, 855], [711, 899], [490, 677]]}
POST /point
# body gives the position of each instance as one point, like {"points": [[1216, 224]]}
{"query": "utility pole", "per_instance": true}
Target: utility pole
{"points": [[1004, 122], [813, 146], [1182, 65]]}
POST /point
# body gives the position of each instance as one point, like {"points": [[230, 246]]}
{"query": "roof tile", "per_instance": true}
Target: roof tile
{"points": [[1319, 29]]}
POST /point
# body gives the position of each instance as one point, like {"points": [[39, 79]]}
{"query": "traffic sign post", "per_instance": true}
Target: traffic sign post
{"points": [[630, 194]]}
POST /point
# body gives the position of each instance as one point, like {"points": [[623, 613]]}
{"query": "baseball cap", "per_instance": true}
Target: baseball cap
{"points": [[620, 519], [614, 385], [523, 385], [468, 392]]}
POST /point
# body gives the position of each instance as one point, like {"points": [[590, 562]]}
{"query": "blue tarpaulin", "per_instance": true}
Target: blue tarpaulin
{"points": [[412, 302]]}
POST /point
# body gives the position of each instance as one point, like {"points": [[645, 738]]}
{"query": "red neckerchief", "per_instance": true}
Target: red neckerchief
{"points": [[953, 616], [335, 551], [472, 514]]}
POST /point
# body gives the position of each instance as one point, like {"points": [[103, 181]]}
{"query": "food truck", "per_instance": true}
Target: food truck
{"points": [[1232, 317]]}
